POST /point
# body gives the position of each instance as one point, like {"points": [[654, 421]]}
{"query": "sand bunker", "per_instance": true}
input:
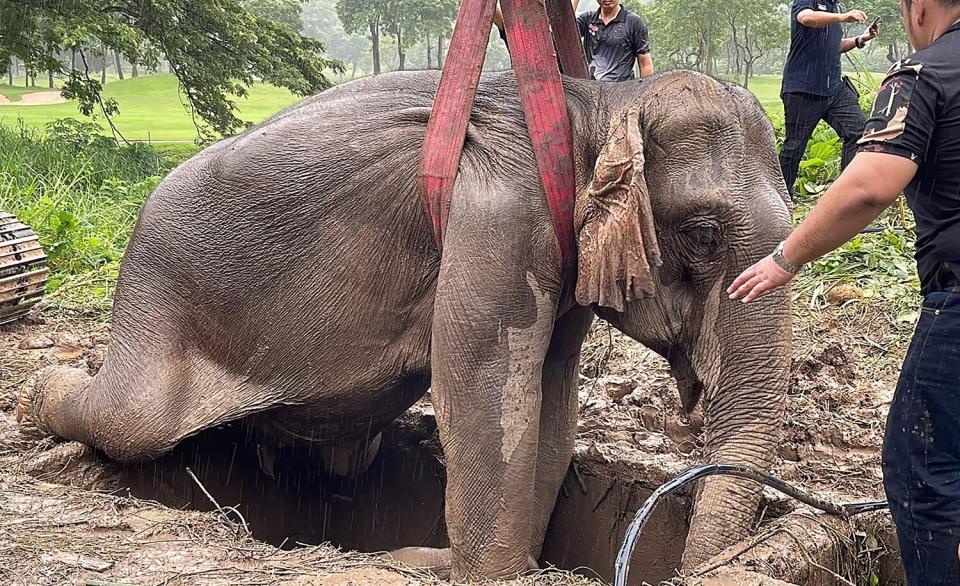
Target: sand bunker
{"points": [[34, 99]]}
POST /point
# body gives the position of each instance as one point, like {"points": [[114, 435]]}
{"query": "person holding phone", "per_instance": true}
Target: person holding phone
{"points": [[813, 88]]}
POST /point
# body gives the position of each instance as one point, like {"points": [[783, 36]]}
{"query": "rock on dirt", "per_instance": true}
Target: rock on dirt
{"points": [[36, 343], [843, 293]]}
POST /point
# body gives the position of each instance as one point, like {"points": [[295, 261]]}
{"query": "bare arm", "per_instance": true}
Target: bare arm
{"points": [[645, 62], [819, 19], [869, 185]]}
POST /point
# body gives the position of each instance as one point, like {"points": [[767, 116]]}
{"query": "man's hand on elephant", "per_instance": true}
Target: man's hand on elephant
{"points": [[758, 279], [858, 16]]}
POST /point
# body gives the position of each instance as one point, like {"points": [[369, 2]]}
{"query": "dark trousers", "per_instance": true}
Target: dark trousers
{"points": [[803, 112], [921, 447]]}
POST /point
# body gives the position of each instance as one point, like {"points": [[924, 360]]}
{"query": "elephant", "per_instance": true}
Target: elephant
{"points": [[288, 278]]}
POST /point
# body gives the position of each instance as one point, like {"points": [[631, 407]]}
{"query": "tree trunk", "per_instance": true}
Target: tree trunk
{"points": [[10, 73], [103, 64], [400, 52], [73, 59], [440, 51], [375, 44], [50, 78], [429, 56], [353, 72], [133, 70], [116, 56]]}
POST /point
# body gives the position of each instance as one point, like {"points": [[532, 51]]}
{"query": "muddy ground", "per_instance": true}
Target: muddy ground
{"points": [[142, 525]]}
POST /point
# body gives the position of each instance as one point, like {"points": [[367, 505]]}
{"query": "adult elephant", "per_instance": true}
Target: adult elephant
{"points": [[289, 277]]}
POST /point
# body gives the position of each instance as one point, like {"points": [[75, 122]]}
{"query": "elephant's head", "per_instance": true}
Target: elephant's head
{"points": [[686, 193]]}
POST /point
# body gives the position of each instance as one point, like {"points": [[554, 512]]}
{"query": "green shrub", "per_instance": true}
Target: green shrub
{"points": [[81, 193]]}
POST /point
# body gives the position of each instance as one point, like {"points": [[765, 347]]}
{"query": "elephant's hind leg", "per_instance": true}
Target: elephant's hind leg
{"points": [[136, 410]]}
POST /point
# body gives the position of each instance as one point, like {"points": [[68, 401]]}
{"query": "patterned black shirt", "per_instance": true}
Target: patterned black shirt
{"points": [[917, 116]]}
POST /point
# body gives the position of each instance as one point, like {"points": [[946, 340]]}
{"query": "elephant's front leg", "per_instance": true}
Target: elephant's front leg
{"points": [[486, 391], [558, 416], [493, 320]]}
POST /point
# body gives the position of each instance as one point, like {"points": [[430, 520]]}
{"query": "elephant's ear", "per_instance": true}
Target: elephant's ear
{"points": [[616, 236]]}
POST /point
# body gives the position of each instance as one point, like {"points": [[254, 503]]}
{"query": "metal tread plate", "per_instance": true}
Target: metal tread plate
{"points": [[23, 269]]}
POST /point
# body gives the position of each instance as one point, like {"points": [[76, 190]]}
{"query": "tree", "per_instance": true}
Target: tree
{"points": [[755, 27], [436, 21], [689, 33], [359, 16], [285, 12], [215, 48], [320, 21], [892, 34]]}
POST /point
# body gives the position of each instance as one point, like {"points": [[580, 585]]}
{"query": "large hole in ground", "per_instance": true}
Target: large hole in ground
{"points": [[398, 502]]}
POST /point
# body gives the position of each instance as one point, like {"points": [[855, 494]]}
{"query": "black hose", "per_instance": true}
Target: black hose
{"points": [[622, 566]]}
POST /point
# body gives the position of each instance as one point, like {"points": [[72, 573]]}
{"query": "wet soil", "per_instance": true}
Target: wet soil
{"points": [[631, 439]]}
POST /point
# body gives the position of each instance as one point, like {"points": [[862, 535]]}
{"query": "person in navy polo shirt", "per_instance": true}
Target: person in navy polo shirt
{"points": [[813, 88]]}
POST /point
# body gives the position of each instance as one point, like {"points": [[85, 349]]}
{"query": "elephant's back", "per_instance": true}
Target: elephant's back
{"points": [[294, 237]]}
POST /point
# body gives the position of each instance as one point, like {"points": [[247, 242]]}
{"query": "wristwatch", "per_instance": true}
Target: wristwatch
{"points": [[860, 42], [782, 262]]}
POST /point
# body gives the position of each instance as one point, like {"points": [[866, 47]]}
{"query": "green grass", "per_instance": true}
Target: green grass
{"points": [[767, 89], [150, 108], [81, 195]]}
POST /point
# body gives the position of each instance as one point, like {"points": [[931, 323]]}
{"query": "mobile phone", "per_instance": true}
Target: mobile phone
{"points": [[875, 23]]}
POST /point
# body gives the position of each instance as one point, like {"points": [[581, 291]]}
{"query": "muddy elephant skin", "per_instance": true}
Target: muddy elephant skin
{"points": [[288, 278]]}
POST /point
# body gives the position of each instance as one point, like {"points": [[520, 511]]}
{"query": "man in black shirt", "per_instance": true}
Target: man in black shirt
{"points": [[613, 39], [911, 144], [813, 88]]}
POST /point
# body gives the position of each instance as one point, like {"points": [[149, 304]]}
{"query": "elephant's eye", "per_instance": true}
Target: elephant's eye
{"points": [[701, 237]]}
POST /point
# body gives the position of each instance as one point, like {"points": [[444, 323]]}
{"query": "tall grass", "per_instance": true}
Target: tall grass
{"points": [[81, 193]]}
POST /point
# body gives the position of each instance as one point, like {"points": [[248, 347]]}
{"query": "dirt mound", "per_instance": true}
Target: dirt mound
{"points": [[631, 439]]}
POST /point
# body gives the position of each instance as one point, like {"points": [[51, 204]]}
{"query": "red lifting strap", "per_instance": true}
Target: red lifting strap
{"points": [[447, 127], [545, 110], [566, 37], [541, 93]]}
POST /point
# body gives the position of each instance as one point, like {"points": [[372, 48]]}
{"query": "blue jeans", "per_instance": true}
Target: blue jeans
{"points": [[921, 447]]}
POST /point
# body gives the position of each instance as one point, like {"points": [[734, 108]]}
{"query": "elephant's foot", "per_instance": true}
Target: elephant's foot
{"points": [[42, 398], [436, 560], [439, 561]]}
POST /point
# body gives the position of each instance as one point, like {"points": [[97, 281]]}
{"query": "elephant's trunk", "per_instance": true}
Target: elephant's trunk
{"points": [[744, 365]]}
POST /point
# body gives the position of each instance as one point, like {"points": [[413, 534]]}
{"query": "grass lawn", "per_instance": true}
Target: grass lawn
{"points": [[150, 108], [767, 90]]}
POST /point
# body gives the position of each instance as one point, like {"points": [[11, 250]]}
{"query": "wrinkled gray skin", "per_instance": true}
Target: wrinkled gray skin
{"points": [[288, 276]]}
